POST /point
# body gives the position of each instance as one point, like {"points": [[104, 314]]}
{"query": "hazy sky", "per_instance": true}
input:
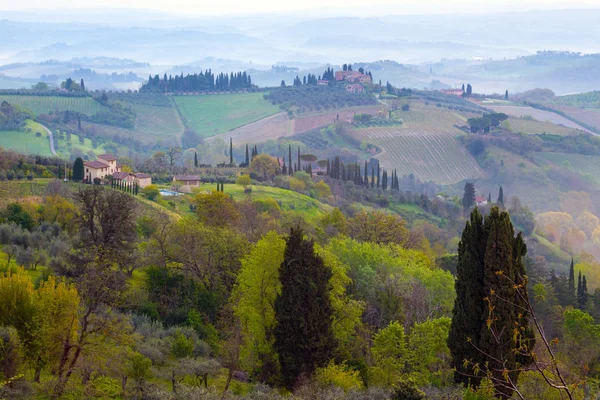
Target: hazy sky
{"points": [[213, 7]]}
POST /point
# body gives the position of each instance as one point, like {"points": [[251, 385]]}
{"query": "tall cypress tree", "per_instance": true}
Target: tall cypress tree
{"points": [[488, 322], [366, 175], [230, 151], [501, 196], [468, 199], [196, 159], [247, 156], [78, 170], [291, 168], [378, 175], [299, 165], [303, 335], [372, 177], [572, 294]]}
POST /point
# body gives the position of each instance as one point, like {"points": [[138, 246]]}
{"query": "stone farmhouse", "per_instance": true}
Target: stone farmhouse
{"points": [[105, 164], [140, 178], [187, 182]]}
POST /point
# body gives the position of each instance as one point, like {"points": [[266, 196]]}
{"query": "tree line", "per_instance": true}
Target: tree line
{"points": [[198, 82]]}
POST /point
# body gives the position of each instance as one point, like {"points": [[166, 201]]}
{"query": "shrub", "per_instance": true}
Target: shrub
{"points": [[10, 175], [151, 192], [340, 376], [407, 391]]}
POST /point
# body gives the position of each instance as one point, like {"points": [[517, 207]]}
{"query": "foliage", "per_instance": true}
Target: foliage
{"points": [[303, 335], [313, 97], [243, 181], [215, 209], [390, 353], [151, 192], [265, 166], [340, 376]]}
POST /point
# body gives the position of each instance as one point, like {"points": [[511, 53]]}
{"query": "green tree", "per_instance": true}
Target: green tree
{"points": [[490, 328], [78, 170], [501, 196], [304, 336], [265, 166], [244, 181], [151, 192], [322, 189], [390, 353], [253, 299], [468, 199]]}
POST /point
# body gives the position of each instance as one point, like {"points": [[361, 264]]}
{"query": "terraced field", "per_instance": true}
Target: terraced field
{"points": [[426, 145], [520, 125], [211, 115], [46, 104], [539, 115]]}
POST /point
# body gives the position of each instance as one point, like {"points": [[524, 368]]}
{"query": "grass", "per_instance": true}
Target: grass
{"points": [[157, 121], [584, 165], [211, 115], [521, 125], [287, 199], [26, 141], [66, 147], [47, 104]]}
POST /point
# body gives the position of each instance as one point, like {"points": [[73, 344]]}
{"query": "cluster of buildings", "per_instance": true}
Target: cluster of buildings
{"points": [[354, 79], [106, 165]]}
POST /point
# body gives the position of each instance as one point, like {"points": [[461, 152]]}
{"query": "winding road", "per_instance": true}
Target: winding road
{"points": [[51, 137]]}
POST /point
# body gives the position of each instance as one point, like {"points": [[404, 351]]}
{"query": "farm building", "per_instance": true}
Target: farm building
{"points": [[352, 76], [187, 182], [106, 164], [140, 178], [481, 201], [322, 82], [453, 92], [354, 88]]}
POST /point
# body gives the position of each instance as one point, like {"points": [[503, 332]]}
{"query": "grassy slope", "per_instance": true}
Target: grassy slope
{"points": [[214, 114], [519, 125], [585, 165], [289, 200], [26, 141], [157, 121], [46, 104]]}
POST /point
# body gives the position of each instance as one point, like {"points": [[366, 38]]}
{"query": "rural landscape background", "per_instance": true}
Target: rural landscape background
{"points": [[302, 201]]}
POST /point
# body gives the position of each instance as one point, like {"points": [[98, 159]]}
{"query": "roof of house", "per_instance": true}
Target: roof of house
{"points": [[480, 199], [107, 157], [95, 164], [120, 175], [186, 177], [141, 175]]}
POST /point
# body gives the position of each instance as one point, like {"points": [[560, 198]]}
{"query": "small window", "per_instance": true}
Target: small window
{"points": [[87, 170]]}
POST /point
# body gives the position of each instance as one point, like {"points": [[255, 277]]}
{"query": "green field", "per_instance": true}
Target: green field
{"points": [[157, 121], [287, 199], [211, 115], [585, 165], [531, 126], [46, 104], [26, 141]]}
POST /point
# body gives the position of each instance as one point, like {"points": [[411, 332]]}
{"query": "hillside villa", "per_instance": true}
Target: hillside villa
{"points": [[354, 88], [105, 164], [187, 182], [140, 178], [352, 76], [481, 201], [453, 92]]}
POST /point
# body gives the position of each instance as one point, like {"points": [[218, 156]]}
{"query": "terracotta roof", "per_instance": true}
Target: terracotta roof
{"points": [[120, 175], [95, 164], [187, 177], [141, 175], [480, 199], [107, 157]]}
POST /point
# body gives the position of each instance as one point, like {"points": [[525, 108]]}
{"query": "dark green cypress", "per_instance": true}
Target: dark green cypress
{"points": [[247, 156], [579, 291], [572, 293], [490, 271], [299, 165], [230, 151], [366, 174], [468, 199], [290, 168], [196, 159], [372, 177], [303, 335], [465, 330], [500, 196], [78, 170], [378, 175]]}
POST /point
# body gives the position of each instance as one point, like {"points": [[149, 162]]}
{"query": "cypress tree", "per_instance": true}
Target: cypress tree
{"points": [[468, 196], [489, 198], [372, 177], [366, 175], [378, 175], [584, 293], [290, 169], [78, 170], [490, 271], [579, 290], [196, 159], [230, 151], [303, 335], [328, 171], [299, 165], [571, 286], [247, 157], [500, 196]]}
